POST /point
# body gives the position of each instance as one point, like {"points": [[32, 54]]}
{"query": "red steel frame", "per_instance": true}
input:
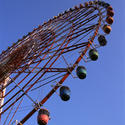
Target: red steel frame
{"points": [[50, 69], [62, 80]]}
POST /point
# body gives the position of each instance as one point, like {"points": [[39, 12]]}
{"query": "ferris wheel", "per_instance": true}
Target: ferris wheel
{"points": [[45, 57]]}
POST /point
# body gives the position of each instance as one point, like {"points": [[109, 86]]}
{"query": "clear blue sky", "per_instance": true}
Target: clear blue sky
{"points": [[100, 98]]}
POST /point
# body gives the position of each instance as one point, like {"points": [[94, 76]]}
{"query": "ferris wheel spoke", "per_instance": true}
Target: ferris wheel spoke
{"points": [[87, 30], [27, 84]]}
